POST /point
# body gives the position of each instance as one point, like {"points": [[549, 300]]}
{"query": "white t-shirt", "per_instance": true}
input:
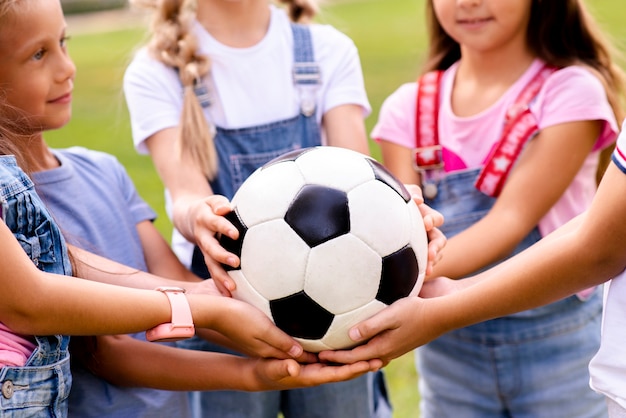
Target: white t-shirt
{"points": [[608, 367], [249, 86]]}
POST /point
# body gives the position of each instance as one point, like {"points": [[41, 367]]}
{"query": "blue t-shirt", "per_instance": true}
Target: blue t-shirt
{"points": [[97, 207]]}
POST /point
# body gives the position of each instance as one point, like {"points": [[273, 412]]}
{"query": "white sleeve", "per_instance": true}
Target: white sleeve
{"points": [[341, 69], [154, 97]]}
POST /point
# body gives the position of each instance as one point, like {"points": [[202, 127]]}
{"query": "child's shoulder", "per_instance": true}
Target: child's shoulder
{"points": [[576, 77], [100, 160], [406, 93], [574, 87]]}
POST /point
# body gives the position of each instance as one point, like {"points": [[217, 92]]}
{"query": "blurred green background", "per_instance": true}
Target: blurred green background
{"points": [[391, 40]]}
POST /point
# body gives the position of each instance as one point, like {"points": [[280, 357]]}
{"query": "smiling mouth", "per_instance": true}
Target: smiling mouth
{"points": [[62, 99], [474, 21]]}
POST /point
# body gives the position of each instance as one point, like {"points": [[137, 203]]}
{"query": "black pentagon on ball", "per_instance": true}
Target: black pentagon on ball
{"points": [[399, 275], [382, 174], [229, 244], [318, 214], [288, 156], [300, 316]]}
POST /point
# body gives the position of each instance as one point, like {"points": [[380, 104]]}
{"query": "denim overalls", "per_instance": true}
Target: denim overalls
{"points": [[41, 387], [509, 366], [241, 152]]}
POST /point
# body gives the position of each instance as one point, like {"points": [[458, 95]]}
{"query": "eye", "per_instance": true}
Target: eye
{"points": [[64, 41], [39, 54]]}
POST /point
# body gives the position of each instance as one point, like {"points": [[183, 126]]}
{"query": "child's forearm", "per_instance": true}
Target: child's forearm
{"points": [[93, 267], [540, 275], [125, 361]]}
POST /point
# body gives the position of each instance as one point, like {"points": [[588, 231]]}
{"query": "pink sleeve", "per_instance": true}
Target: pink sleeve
{"points": [[396, 121], [575, 94]]}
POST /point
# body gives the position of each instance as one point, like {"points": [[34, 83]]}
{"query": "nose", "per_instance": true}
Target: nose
{"points": [[67, 68], [468, 3]]}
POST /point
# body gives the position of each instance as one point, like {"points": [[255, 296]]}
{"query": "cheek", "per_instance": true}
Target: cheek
{"points": [[444, 12], [17, 99], [24, 93], [515, 13]]}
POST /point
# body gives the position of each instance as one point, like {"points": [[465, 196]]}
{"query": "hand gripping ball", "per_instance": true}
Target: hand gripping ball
{"points": [[328, 237]]}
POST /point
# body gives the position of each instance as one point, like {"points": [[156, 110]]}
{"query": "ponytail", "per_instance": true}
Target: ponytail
{"points": [[175, 45]]}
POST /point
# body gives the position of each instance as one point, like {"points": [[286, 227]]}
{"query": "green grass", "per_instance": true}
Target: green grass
{"points": [[390, 38]]}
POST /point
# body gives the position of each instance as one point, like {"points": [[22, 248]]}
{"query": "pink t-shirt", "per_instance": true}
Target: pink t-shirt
{"points": [[568, 95], [15, 349]]}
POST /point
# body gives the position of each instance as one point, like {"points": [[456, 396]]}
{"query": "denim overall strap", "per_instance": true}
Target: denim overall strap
{"points": [[462, 205], [306, 72], [242, 151], [41, 387]]}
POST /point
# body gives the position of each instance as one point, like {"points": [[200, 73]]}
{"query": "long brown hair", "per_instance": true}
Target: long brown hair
{"points": [[173, 43], [561, 33]]}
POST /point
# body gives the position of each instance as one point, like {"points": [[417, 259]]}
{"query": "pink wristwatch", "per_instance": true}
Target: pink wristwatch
{"points": [[181, 326]]}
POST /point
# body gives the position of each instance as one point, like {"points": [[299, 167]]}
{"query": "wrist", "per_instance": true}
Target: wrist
{"points": [[214, 311], [183, 216], [181, 325]]}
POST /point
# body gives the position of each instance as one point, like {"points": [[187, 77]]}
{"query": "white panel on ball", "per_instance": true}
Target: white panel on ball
{"points": [[342, 274], [258, 199], [337, 335], [247, 293], [274, 259], [379, 216], [335, 167]]}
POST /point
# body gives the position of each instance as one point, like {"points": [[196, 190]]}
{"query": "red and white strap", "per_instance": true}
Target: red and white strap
{"points": [[519, 126], [427, 151]]}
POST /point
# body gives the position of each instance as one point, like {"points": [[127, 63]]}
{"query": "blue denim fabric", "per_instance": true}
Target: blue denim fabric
{"points": [[241, 152], [531, 364], [41, 387]]}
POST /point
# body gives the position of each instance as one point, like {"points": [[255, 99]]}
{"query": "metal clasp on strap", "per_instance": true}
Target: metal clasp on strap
{"points": [[307, 73], [427, 158]]}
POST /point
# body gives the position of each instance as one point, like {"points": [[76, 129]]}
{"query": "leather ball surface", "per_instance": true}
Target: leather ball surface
{"points": [[328, 237]]}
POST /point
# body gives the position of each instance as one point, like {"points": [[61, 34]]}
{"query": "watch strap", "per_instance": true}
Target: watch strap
{"points": [[181, 325]]}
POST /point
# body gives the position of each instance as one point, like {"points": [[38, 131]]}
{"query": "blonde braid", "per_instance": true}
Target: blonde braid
{"points": [[173, 44]]}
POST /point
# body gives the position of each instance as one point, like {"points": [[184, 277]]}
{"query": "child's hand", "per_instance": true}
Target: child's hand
{"points": [[203, 287], [432, 221], [273, 374], [207, 221], [390, 333], [252, 332], [440, 286]]}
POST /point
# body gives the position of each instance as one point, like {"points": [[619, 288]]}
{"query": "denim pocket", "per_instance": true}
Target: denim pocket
{"points": [[39, 245], [40, 391]]}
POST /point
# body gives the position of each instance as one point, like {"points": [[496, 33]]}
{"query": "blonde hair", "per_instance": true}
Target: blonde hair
{"points": [[173, 43]]}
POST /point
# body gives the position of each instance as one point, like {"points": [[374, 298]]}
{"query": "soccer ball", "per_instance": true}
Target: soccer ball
{"points": [[327, 238]]}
